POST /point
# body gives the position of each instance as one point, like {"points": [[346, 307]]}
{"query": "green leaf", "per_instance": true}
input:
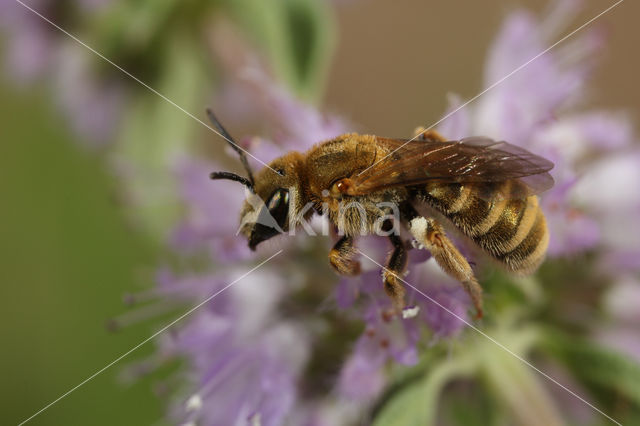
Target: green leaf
{"points": [[133, 34], [515, 384], [156, 133], [135, 23], [417, 403], [469, 404], [595, 364], [297, 35]]}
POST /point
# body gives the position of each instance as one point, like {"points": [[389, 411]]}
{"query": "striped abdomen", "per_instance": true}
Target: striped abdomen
{"points": [[513, 231]]}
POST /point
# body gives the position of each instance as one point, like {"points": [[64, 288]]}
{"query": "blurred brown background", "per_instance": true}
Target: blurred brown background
{"points": [[387, 50]]}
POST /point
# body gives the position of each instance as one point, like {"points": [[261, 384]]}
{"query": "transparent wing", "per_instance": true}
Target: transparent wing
{"points": [[476, 160]]}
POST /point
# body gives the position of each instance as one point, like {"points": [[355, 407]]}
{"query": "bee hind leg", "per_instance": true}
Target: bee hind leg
{"points": [[431, 235], [342, 255]]}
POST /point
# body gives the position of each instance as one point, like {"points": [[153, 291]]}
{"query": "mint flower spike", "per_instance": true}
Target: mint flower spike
{"points": [[281, 348]]}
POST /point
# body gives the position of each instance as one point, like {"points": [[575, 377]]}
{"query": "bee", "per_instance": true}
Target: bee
{"points": [[485, 189]]}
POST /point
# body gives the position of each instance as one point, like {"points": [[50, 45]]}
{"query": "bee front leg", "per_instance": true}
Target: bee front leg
{"points": [[394, 270], [341, 257], [421, 134], [431, 235]]}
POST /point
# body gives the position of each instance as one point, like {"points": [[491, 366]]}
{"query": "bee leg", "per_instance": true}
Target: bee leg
{"points": [[431, 235], [394, 270], [341, 257], [422, 134]]}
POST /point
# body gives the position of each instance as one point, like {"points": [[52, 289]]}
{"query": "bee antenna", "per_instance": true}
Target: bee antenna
{"points": [[232, 176], [242, 153]]}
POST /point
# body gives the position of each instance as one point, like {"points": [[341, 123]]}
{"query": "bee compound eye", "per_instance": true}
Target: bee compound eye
{"points": [[275, 200], [278, 206]]}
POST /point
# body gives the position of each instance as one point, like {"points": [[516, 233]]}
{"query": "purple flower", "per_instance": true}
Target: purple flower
{"points": [[296, 125], [609, 191], [447, 317], [88, 101], [443, 309], [362, 377], [204, 201], [30, 46], [621, 306], [246, 353], [93, 105], [252, 93], [538, 107], [580, 232], [238, 381], [243, 360]]}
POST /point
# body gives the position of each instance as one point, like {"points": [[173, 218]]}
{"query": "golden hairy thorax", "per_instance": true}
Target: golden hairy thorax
{"points": [[338, 158], [341, 158]]}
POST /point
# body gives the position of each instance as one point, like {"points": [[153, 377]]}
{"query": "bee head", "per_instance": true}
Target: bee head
{"points": [[274, 195], [275, 201]]}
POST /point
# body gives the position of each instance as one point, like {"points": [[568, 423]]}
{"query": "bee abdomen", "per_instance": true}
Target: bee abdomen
{"points": [[519, 238], [527, 256], [513, 231]]}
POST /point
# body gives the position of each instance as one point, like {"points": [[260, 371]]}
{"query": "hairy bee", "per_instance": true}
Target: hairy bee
{"points": [[483, 188]]}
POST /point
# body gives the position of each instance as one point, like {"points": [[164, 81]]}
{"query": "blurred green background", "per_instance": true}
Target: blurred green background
{"points": [[67, 258], [68, 255]]}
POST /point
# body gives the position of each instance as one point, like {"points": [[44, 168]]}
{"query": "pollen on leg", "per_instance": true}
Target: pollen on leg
{"points": [[410, 311], [418, 228], [430, 234]]}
